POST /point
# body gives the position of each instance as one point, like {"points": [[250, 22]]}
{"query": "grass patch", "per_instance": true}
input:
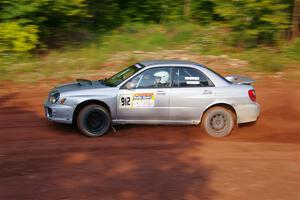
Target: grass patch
{"points": [[263, 60]]}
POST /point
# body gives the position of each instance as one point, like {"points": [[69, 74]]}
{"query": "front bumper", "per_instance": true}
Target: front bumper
{"points": [[247, 112], [58, 113]]}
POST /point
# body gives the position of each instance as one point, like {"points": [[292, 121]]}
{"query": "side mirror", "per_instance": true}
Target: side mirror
{"points": [[130, 85]]}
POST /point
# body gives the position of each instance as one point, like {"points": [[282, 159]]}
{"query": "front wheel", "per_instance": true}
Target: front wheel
{"points": [[218, 121], [93, 120]]}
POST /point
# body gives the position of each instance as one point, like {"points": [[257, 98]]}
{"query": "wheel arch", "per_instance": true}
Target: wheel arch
{"points": [[85, 103], [224, 105]]}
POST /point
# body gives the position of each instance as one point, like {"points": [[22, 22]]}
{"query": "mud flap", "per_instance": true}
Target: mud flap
{"points": [[113, 128]]}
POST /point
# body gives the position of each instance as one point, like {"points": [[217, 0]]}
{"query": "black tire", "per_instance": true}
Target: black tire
{"points": [[218, 121], [93, 120]]}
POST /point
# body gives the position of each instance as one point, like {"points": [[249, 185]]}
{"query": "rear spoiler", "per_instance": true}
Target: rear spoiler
{"points": [[237, 79]]}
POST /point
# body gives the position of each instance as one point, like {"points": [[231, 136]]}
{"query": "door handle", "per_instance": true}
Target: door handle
{"points": [[161, 93], [207, 92]]}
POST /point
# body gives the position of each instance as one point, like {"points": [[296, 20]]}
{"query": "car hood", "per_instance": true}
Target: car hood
{"points": [[77, 86]]}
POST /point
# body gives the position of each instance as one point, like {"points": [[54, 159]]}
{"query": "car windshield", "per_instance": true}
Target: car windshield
{"points": [[122, 75]]}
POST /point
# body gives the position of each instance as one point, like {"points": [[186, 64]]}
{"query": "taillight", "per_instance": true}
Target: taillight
{"points": [[252, 95]]}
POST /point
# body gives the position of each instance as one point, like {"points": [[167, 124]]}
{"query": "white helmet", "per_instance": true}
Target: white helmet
{"points": [[163, 76]]}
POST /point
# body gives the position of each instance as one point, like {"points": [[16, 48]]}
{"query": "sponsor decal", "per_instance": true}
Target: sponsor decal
{"points": [[143, 100], [137, 100]]}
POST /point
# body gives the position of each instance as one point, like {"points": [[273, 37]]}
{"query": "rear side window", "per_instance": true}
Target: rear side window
{"points": [[190, 77]]}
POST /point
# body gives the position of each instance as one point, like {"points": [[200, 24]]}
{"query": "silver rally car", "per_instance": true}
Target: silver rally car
{"points": [[156, 92]]}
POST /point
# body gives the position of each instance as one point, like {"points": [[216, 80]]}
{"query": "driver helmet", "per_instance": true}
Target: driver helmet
{"points": [[162, 77]]}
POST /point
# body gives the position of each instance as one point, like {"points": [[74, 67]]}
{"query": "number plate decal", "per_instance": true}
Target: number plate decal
{"points": [[125, 101]]}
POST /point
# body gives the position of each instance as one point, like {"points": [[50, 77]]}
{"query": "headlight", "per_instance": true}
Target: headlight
{"points": [[54, 98]]}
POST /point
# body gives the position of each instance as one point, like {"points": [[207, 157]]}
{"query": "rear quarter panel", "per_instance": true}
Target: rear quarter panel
{"points": [[233, 94], [237, 96]]}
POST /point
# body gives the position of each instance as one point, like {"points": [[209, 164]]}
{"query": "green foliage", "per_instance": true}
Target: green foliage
{"points": [[27, 21], [81, 34], [203, 11], [150, 10], [172, 10], [253, 22], [141, 11], [17, 38], [293, 50], [132, 41], [148, 37], [59, 23], [211, 40], [128, 38], [103, 15]]}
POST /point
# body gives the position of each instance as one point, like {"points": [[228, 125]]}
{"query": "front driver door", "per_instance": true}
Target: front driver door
{"points": [[148, 100]]}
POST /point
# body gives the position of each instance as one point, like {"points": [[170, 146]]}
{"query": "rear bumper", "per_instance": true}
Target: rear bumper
{"points": [[58, 113], [247, 112]]}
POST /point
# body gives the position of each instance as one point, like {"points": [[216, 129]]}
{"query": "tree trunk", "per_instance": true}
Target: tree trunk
{"points": [[186, 8], [296, 19]]}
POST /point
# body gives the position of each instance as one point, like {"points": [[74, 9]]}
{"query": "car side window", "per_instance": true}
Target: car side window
{"points": [[158, 77], [190, 77]]}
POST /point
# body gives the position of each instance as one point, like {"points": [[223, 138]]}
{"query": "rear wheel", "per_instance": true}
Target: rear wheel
{"points": [[93, 120], [218, 121]]}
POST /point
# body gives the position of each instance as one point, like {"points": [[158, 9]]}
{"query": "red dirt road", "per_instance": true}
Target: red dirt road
{"points": [[43, 160]]}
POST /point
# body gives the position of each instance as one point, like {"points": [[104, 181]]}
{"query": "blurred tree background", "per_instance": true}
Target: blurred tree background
{"points": [[36, 27]]}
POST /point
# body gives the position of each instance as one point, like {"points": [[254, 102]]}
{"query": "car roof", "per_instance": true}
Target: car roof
{"points": [[166, 62]]}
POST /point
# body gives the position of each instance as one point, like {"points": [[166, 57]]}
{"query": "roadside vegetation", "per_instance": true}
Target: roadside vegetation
{"points": [[41, 39]]}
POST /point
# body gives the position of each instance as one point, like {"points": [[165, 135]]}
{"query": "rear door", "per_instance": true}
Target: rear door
{"points": [[148, 100], [191, 93]]}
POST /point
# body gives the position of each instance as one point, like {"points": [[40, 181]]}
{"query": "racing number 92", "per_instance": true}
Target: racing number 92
{"points": [[125, 101]]}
